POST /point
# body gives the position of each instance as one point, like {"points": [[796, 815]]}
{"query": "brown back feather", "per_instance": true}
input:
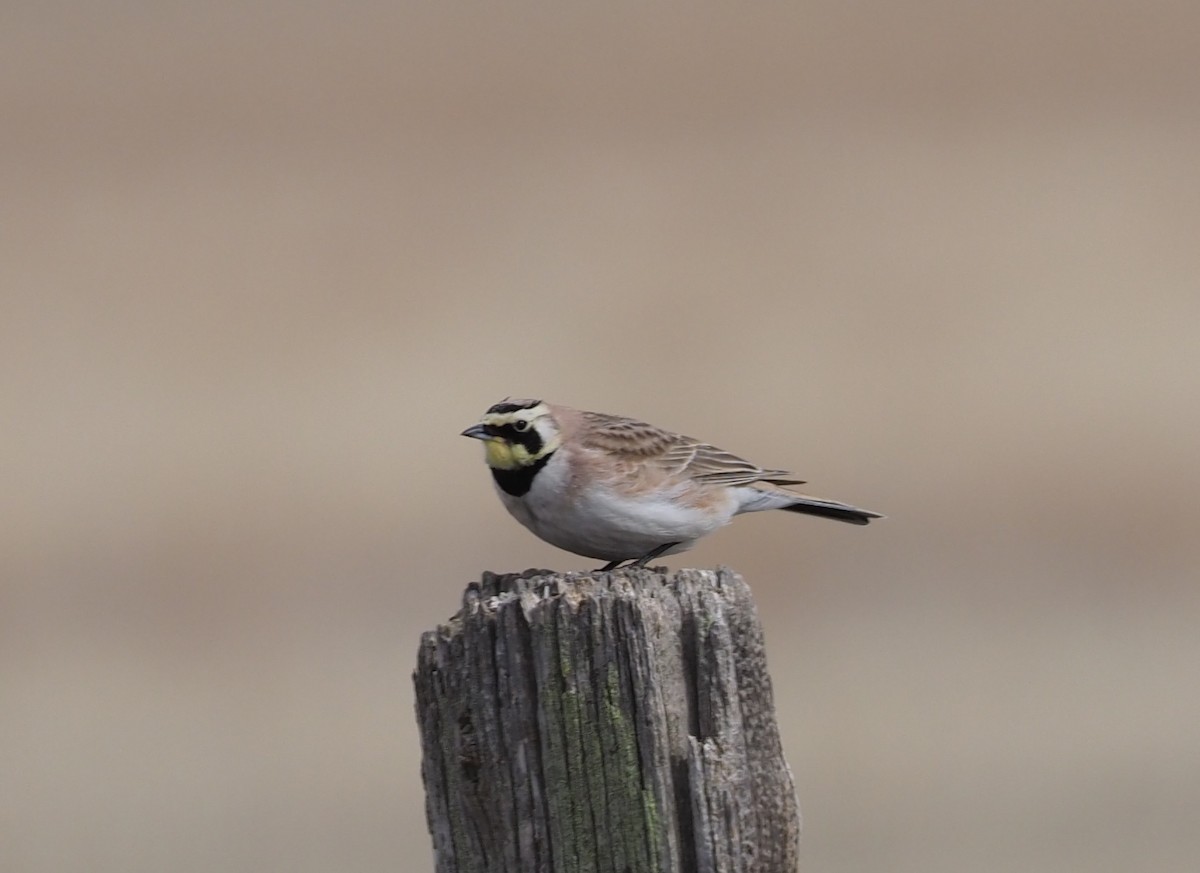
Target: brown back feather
{"points": [[675, 455]]}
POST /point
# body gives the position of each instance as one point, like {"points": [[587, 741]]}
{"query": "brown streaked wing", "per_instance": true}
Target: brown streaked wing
{"points": [[627, 438], [638, 442], [719, 467]]}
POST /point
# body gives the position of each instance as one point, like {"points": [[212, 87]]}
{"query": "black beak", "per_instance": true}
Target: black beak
{"points": [[477, 432]]}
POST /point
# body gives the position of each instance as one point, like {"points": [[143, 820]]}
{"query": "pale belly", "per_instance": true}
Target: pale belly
{"points": [[601, 525]]}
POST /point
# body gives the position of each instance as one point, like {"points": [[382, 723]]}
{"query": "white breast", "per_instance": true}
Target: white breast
{"points": [[599, 523]]}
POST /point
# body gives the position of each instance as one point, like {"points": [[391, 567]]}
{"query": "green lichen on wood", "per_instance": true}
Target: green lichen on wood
{"points": [[611, 815], [554, 751], [590, 786], [581, 850], [636, 819], [581, 847]]}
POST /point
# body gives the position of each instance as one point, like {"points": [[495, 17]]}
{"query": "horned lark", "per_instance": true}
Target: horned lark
{"points": [[613, 488]]}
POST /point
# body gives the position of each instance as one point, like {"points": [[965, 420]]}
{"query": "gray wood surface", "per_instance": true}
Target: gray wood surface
{"points": [[610, 722]]}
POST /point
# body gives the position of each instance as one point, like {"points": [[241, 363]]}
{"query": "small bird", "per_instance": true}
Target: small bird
{"points": [[617, 489]]}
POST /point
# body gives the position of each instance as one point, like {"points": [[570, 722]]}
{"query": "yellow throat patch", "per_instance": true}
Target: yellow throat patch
{"points": [[502, 455]]}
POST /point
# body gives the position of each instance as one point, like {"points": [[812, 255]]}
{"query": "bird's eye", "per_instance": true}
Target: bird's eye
{"points": [[520, 425]]}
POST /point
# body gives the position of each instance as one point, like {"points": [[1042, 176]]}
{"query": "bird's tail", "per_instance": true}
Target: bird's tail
{"points": [[830, 509]]}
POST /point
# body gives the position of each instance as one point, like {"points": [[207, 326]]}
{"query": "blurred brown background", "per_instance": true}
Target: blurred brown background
{"points": [[259, 266]]}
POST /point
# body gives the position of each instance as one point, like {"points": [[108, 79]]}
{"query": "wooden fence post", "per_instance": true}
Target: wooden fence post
{"points": [[604, 723]]}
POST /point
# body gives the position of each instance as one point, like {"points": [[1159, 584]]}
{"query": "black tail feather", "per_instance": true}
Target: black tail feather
{"points": [[832, 509]]}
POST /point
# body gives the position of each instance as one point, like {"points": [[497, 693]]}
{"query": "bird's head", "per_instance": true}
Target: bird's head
{"points": [[516, 433]]}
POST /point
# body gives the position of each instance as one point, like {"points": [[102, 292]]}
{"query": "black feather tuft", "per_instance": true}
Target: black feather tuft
{"points": [[510, 405]]}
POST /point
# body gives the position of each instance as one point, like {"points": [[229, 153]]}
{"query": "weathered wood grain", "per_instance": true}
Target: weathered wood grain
{"points": [[604, 723]]}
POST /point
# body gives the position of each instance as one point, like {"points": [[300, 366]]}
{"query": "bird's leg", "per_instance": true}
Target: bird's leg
{"points": [[652, 554], [640, 562]]}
